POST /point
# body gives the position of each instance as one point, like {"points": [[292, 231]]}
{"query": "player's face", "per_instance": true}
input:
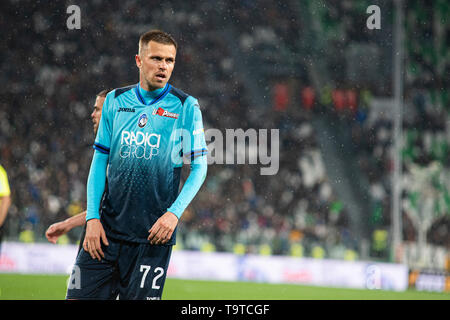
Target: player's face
{"points": [[97, 112], [155, 62]]}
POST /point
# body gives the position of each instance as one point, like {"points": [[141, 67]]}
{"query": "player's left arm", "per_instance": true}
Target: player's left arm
{"points": [[162, 230], [196, 150]]}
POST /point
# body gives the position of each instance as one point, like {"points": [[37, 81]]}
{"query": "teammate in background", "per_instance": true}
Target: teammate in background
{"points": [[144, 131], [57, 229], [5, 200]]}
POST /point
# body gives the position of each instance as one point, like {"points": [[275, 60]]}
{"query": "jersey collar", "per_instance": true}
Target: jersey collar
{"points": [[158, 94]]}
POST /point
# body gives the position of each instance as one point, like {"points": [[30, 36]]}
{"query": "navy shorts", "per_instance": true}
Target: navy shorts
{"points": [[129, 271]]}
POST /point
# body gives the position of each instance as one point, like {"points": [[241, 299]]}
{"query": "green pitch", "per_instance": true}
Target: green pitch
{"points": [[51, 287]]}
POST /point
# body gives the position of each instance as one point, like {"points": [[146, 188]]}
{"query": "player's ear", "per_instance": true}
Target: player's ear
{"points": [[138, 60]]}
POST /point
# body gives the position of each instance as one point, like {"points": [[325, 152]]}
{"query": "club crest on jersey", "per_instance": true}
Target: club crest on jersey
{"points": [[142, 120], [164, 113]]}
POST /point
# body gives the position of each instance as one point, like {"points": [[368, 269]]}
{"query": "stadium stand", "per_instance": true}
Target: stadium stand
{"points": [[258, 78]]}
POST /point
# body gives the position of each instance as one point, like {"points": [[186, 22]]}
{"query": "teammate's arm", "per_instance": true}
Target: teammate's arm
{"points": [[57, 229]]}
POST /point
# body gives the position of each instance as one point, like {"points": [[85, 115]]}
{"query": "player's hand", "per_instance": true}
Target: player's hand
{"points": [[162, 230], [91, 244], [56, 230]]}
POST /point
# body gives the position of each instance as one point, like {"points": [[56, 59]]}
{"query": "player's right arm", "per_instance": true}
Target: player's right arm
{"points": [[96, 182], [95, 189]]}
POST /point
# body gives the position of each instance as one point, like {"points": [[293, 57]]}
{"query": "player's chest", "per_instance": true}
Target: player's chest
{"points": [[159, 118]]}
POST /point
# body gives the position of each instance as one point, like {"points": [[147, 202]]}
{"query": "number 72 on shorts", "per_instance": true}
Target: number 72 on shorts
{"points": [[158, 272]]}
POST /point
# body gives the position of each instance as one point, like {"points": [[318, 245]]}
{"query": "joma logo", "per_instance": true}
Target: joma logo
{"points": [[126, 110]]}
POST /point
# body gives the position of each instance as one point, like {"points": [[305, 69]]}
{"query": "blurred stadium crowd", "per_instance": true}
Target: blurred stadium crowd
{"points": [[50, 76]]}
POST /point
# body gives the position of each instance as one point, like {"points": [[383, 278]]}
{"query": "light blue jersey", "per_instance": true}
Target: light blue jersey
{"points": [[145, 135]]}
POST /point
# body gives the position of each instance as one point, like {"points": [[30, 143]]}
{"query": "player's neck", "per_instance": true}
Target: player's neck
{"points": [[151, 93]]}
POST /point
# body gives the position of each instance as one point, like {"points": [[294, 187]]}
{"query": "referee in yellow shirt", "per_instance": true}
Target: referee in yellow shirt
{"points": [[5, 200]]}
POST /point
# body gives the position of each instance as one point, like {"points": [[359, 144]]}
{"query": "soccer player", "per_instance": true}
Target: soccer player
{"points": [[59, 228], [5, 200], [145, 131]]}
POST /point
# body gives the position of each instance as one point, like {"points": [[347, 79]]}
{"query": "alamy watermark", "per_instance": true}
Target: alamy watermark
{"points": [[74, 19], [374, 20], [234, 149], [74, 282], [236, 146]]}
